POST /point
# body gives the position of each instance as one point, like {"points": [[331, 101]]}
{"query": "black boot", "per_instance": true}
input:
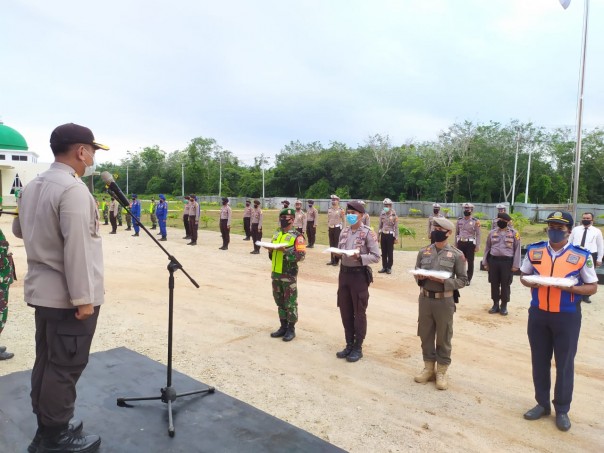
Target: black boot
{"points": [[68, 441], [495, 308], [504, 309], [356, 353], [345, 352], [281, 330], [290, 334], [75, 426]]}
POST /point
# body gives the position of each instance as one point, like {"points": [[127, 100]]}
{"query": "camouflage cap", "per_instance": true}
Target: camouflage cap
{"points": [[287, 211]]}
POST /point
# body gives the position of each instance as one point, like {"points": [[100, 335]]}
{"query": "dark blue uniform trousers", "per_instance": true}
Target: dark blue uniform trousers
{"points": [[556, 333]]}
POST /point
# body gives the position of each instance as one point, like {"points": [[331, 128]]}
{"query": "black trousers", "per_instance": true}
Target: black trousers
{"points": [[185, 221], [256, 236], [62, 349], [246, 226], [500, 277], [387, 244], [353, 298], [226, 233], [193, 228], [556, 333], [468, 249], [334, 237], [311, 233], [113, 221]]}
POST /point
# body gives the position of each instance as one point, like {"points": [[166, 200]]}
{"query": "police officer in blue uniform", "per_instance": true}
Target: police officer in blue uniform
{"points": [[135, 209], [162, 215]]}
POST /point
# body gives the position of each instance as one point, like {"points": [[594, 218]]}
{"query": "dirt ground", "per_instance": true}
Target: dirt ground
{"points": [[222, 339]]}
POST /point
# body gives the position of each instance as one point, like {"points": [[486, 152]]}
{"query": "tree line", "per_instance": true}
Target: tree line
{"points": [[467, 162]]}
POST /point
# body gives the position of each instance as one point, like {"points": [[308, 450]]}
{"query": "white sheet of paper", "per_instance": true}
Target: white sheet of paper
{"points": [[427, 273], [551, 281], [270, 245], [338, 251]]}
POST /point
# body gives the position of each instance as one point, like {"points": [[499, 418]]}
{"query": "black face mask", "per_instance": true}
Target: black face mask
{"points": [[247, 204], [586, 222], [284, 223], [436, 211], [438, 235], [224, 203], [467, 213], [502, 224]]}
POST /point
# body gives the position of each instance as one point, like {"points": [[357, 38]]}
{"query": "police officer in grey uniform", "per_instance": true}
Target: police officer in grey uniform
{"points": [[335, 220], [435, 215], [59, 223], [437, 298], [500, 210], [388, 231], [247, 220], [467, 233]]}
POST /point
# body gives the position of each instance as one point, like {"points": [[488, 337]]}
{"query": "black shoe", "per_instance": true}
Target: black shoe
{"points": [[112, 232], [290, 334], [382, 270], [2, 348], [356, 354], [562, 422], [330, 263], [153, 227], [187, 237], [66, 441], [163, 238], [246, 239], [6, 355], [537, 412], [75, 426], [192, 243], [281, 330], [127, 229], [134, 235], [586, 299], [310, 246], [389, 271], [494, 308], [344, 352], [255, 252], [504, 309], [105, 223]]}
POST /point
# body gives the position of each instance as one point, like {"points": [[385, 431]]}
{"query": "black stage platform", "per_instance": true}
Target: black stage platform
{"points": [[204, 423]]}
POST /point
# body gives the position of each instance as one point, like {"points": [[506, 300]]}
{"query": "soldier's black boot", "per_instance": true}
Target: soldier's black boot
{"points": [[504, 309], [281, 330], [345, 352], [64, 440], [356, 353], [290, 334], [495, 307], [75, 426]]}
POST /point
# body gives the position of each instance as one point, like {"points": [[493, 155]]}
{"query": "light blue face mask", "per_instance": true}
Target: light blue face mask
{"points": [[386, 209], [352, 218]]}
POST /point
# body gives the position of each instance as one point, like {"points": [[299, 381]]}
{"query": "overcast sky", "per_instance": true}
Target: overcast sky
{"points": [[257, 74]]}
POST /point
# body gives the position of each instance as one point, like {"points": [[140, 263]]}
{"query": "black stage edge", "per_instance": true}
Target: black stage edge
{"points": [[213, 423]]}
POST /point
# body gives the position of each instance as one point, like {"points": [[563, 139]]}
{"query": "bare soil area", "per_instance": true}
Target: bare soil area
{"points": [[222, 339]]}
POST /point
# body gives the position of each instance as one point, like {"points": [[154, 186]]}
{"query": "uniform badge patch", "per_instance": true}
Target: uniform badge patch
{"points": [[538, 255], [449, 254], [573, 259]]}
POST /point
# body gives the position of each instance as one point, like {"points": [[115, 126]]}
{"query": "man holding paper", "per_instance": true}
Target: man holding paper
{"points": [[437, 301], [554, 320]]}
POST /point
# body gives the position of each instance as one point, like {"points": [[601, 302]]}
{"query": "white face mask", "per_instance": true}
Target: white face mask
{"points": [[89, 170]]}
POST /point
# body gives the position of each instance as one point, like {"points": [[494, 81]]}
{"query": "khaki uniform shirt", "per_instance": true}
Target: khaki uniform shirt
{"points": [[59, 223], [504, 242], [312, 215], [247, 212], [114, 208], [448, 259], [388, 223], [225, 213], [300, 220], [369, 248], [366, 220], [187, 209], [431, 221], [257, 217], [335, 217], [194, 210], [468, 229]]}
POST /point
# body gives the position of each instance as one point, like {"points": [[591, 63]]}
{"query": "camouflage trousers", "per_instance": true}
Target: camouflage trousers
{"points": [[285, 293], [3, 307]]}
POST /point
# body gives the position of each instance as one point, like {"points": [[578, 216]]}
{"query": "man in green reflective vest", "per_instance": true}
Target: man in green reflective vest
{"points": [[285, 258]]}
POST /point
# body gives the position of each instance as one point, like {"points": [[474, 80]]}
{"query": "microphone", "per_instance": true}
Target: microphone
{"points": [[114, 189]]}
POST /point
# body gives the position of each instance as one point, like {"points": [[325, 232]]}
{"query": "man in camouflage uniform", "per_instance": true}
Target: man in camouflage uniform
{"points": [[467, 233], [285, 273], [7, 274], [388, 231], [435, 215], [312, 216], [152, 207], [335, 220], [105, 210], [300, 220], [437, 302]]}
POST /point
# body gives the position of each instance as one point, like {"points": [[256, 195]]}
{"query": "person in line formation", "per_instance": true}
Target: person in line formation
{"points": [[435, 215], [162, 216], [135, 209], [256, 223], [590, 237], [58, 222], [335, 220], [225, 223], [501, 259], [437, 298], [185, 216], [366, 218], [114, 208], [312, 217], [122, 211], [285, 204], [152, 208], [105, 211], [388, 232], [194, 214], [467, 233], [501, 209], [284, 273], [300, 218], [554, 317], [7, 277], [247, 220], [354, 280]]}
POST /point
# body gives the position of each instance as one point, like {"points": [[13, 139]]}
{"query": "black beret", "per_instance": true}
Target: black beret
{"points": [[504, 216], [355, 206]]}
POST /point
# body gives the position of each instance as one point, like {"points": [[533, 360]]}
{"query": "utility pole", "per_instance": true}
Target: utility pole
{"points": [[515, 168], [182, 178]]}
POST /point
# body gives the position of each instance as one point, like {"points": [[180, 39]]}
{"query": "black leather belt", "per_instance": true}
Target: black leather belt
{"points": [[501, 258], [351, 269]]}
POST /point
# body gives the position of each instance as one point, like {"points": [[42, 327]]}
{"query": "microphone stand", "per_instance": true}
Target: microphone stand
{"points": [[168, 393]]}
